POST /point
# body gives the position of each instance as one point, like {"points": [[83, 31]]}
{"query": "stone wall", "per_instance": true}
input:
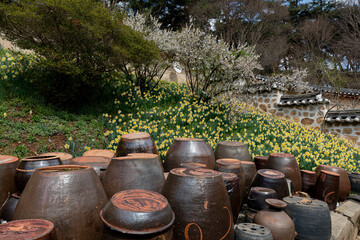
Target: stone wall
{"points": [[350, 131]]}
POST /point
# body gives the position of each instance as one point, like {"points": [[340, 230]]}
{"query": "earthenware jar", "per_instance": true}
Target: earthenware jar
{"points": [[138, 142], [64, 157], [184, 150], [99, 164], [138, 171], [231, 181], [34, 229], [231, 149], [276, 220], [70, 196], [308, 181], [261, 162], [28, 165], [344, 182], [231, 165], [137, 214], [257, 196], [311, 217], [8, 208], [287, 164], [7, 171], [252, 231], [327, 188], [192, 165], [99, 153], [250, 173], [199, 199], [273, 179], [354, 178]]}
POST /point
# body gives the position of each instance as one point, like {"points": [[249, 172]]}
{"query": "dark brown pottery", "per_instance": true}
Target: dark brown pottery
{"points": [[138, 142], [354, 178], [99, 153], [276, 220], [327, 188], [308, 181], [273, 179], [8, 209], [28, 165], [261, 162], [139, 171], [250, 173], [249, 215], [137, 212], [311, 217], [99, 164], [184, 150], [70, 196], [231, 181], [252, 231], [287, 164], [232, 149], [7, 171], [64, 157], [192, 165], [109, 234], [199, 199], [344, 182], [28, 229], [257, 196]]}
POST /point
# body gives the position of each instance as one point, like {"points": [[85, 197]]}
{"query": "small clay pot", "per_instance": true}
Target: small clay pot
{"points": [[28, 165], [138, 171], [184, 150], [344, 182], [273, 179], [138, 142], [276, 220], [231, 181], [287, 164], [308, 181], [34, 229], [257, 197], [250, 173], [64, 157], [192, 165], [137, 212], [99, 153], [9, 207], [199, 199], [327, 188], [252, 231], [70, 196], [261, 162], [231, 149], [99, 164], [7, 172]]}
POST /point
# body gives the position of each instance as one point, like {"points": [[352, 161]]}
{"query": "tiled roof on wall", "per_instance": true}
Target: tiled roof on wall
{"points": [[302, 99], [343, 116]]}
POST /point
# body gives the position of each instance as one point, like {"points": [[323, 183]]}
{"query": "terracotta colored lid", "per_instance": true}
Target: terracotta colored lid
{"points": [[276, 203], [63, 156], [271, 173], [135, 136], [281, 155], [308, 172], [192, 165], [5, 159], [261, 157], [29, 229], [99, 153], [229, 176], [197, 172], [228, 161], [247, 163], [232, 143], [134, 156], [91, 160], [330, 173]]}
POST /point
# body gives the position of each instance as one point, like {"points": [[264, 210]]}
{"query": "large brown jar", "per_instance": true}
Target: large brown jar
{"points": [[136, 171], [232, 149], [261, 162], [69, 196], [250, 173], [201, 204], [276, 220], [138, 142], [257, 197], [8, 208], [273, 179], [231, 181], [344, 182], [287, 164], [327, 188], [184, 150], [308, 181], [28, 229], [7, 171]]}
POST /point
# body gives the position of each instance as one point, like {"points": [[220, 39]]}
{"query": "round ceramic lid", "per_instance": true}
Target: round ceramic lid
{"points": [[28, 229]]}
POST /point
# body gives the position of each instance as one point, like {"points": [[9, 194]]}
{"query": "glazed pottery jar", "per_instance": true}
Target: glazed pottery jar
{"points": [[250, 173], [70, 196], [99, 164], [199, 199], [354, 178], [138, 142], [276, 220], [311, 217], [7, 171], [273, 179], [28, 165], [252, 231], [257, 196], [308, 181], [232, 149], [344, 182], [99, 153], [231, 181], [31, 229], [192, 165], [64, 157], [137, 214], [8, 208], [261, 162], [327, 188], [287, 164], [137, 171], [184, 150]]}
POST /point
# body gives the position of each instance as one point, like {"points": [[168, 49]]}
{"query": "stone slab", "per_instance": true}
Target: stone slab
{"points": [[351, 209], [342, 228]]}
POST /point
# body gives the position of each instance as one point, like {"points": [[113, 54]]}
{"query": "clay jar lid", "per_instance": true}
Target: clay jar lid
{"points": [[138, 212], [29, 229], [330, 173], [189, 140], [269, 173], [228, 177], [135, 136], [265, 158], [197, 173], [276, 203], [5, 159], [91, 160], [99, 153], [228, 161], [192, 165], [232, 143], [281, 155], [63, 156], [143, 156]]}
